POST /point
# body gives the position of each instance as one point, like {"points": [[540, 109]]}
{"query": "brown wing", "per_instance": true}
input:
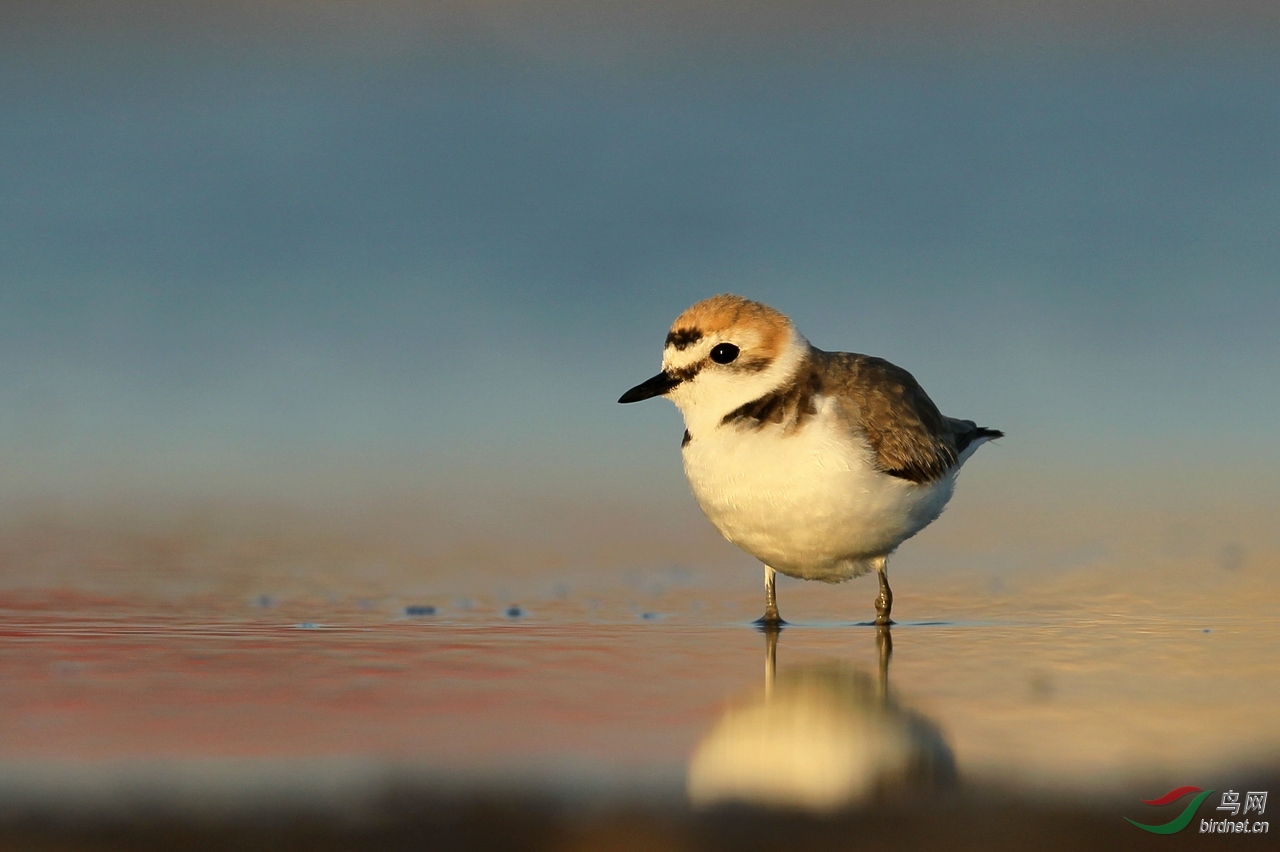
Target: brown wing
{"points": [[910, 437]]}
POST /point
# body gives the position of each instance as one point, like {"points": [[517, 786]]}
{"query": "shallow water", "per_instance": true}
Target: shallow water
{"points": [[1068, 688]]}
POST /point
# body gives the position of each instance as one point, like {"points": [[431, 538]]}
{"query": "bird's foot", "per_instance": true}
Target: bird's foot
{"points": [[770, 621]]}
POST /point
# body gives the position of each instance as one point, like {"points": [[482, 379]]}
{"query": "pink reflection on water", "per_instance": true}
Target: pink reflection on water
{"points": [[93, 678]]}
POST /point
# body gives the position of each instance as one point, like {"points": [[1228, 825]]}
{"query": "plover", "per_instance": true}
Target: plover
{"points": [[817, 463]]}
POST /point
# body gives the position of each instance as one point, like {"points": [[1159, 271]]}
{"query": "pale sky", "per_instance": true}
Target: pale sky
{"points": [[228, 261]]}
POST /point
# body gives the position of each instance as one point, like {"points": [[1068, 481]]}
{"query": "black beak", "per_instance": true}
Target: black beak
{"points": [[656, 386]]}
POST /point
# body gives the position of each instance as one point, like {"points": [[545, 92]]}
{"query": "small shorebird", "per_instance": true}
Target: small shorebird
{"points": [[817, 463]]}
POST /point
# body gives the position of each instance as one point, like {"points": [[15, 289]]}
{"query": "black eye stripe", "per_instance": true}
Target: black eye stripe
{"points": [[721, 353], [684, 374]]}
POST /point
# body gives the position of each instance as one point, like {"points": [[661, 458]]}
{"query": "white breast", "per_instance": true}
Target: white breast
{"points": [[807, 502]]}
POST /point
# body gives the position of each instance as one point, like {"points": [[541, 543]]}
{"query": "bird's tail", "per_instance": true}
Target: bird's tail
{"points": [[967, 432]]}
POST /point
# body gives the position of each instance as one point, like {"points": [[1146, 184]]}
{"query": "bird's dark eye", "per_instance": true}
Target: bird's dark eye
{"points": [[724, 353]]}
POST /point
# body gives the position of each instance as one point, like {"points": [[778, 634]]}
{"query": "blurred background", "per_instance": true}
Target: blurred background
{"points": [[382, 268], [313, 316]]}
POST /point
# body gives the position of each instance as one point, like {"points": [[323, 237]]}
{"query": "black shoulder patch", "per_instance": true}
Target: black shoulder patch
{"points": [[683, 338], [687, 438], [792, 403]]}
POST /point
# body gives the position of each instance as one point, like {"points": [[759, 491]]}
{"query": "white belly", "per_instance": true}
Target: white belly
{"points": [[809, 503]]}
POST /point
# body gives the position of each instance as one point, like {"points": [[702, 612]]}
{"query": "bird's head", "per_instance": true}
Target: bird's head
{"points": [[723, 353]]}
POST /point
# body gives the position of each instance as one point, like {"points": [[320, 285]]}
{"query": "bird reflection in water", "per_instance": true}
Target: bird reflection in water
{"points": [[822, 737]]}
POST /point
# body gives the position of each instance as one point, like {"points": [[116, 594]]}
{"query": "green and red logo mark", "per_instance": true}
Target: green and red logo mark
{"points": [[1183, 819]]}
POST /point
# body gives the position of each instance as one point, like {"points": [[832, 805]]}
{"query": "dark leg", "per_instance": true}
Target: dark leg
{"points": [[884, 644], [771, 632], [770, 617], [884, 603]]}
